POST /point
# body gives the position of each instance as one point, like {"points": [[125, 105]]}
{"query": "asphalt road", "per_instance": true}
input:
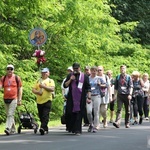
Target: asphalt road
{"points": [[137, 137]]}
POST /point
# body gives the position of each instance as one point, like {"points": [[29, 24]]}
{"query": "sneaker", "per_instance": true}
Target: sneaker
{"points": [[105, 125], [78, 134], [135, 122], [46, 131], [12, 132], [141, 120], [85, 125], [94, 130], [111, 121], [42, 131], [90, 128], [127, 125], [7, 131], [116, 125], [146, 118]]}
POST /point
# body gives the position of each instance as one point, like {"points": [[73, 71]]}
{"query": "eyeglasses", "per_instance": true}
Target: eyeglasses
{"points": [[10, 69]]}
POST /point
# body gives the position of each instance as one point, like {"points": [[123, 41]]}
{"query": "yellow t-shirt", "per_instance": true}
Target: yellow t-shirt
{"points": [[46, 96]]}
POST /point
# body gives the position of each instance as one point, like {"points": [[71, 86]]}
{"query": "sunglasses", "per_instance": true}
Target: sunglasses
{"points": [[10, 69]]}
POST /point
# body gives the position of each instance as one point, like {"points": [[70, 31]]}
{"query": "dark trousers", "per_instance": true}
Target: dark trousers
{"points": [[123, 99], [43, 111], [146, 107], [112, 104], [85, 119], [138, 105], [76, 122]]}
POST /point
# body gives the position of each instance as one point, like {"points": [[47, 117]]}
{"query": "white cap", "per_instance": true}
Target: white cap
{"points": [[10, 66], [70, 68], [45, 70]]}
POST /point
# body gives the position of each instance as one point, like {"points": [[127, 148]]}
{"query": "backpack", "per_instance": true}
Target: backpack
{"points": [[16, 78], [127, 78]]}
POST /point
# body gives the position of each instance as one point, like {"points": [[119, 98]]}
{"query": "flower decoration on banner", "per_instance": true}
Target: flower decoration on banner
{"points": [[39, 54]]}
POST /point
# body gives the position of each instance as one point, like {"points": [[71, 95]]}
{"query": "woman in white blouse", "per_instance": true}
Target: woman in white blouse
{"points": [[146, 89]]}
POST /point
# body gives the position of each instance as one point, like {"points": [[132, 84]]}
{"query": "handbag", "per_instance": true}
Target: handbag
{"points": [[63, 119]]}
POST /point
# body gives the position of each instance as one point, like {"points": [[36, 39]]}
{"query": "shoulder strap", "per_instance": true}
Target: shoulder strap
{"points": [[118, 77], [128, 77], [3, 80], [106, 78], [17, 80]]}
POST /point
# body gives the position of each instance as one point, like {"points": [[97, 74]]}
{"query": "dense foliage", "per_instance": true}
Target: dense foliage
{"points": [[129, 11], [78, 31]]}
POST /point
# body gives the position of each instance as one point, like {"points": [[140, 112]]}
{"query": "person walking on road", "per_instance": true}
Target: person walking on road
{"points": [[137, 97], [43, 89], [65, 97], [12, 96], [123, 93], [93, 107], [107, 98], [85, 119], [146, 89], [79, 93]]}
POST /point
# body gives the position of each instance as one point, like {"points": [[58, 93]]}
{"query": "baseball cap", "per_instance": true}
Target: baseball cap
{"points": [[70, 68], [10, 66], [76, 65], [45, 70]]}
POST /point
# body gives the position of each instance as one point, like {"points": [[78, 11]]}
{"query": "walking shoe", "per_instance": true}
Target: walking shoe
{"points": [[141, 120], [105, 124], [42, 131], [13, 132], [127, 125], [94, 130], [135, 122], [7, 131], [116, 125], [77, 133], [85, 125], [146, 118], [46, 131], [111, 121], [90, 128]]}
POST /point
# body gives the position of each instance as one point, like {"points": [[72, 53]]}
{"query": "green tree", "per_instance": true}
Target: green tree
{"points": [[134, 11]]}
